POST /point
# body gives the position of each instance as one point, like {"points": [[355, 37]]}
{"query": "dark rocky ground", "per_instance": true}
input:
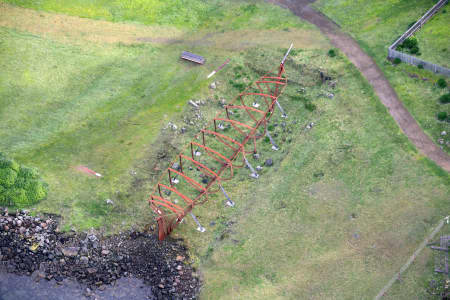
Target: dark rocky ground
{"points": [[33, 246]]}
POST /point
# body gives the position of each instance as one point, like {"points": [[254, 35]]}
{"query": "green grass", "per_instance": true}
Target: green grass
{"points": [[291, 234], [376, 25], [433, 38], [190, 14], [66, 103], [64, 106]]}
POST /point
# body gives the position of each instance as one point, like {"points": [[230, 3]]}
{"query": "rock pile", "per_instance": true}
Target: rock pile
{"points": [[33, 246]]}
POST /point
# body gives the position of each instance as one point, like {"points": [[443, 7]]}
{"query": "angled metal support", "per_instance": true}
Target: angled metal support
{"points": [[274, 146], [199, 226], [229, 201], [283, 114], [254, 174]]}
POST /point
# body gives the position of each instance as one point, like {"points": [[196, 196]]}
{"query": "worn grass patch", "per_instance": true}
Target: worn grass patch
{"points": [[376, 25], [192, 14]]}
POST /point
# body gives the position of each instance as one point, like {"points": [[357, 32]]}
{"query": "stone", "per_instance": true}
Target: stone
{"points": [[213, 86], [444, 133], [91, 270], [109, 202], [268, 162], [179, 258], [70, 251], [179, 268], [84, 260], [105, 252]]}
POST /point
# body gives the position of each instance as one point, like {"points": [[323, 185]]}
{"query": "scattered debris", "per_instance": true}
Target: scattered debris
{"points": [[88, 171], [193, 103], [268, 162]]}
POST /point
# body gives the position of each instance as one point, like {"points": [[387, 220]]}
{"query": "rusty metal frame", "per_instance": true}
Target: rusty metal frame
{"points": [[169, 214]]}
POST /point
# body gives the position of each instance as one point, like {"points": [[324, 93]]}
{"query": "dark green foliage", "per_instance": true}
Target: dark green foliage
{"points": [[270, 127], [444, 99], [442, 116], [397, 61], [310, 106], [420, 66], [331, 53], [19, 186], [442, 83], [410, 45]]}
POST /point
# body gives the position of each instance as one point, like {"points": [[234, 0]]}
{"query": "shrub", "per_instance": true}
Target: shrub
{"points": [[310, 106], [442, 83], [20, 186], [420, 66], [444, 99], [270, 127], [442, 116], [331, 53], [397, 61], [7, 177]]}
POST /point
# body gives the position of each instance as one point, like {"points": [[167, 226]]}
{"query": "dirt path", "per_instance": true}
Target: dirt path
{"points": [[375, 77]]}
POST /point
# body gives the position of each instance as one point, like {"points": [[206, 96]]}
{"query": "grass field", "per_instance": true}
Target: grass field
{"points": [[378, 25], [433, 38], [341, 210]]}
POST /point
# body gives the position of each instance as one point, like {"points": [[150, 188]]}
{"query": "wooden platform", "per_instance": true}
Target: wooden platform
{"points": [[193, 57]]}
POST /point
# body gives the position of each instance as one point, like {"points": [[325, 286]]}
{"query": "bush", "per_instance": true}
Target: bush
{"points": [[410, 45], [397, 61], [442, 83], [444, 99], [331, 53], [20, 186], [442, 116], [420, 66], [310, 106]]}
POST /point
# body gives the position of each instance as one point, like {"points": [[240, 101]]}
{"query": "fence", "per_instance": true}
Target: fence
{"points": [[392, 53]]}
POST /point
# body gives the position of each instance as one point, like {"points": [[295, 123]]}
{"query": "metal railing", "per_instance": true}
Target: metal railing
{"points": [[392, 53]]}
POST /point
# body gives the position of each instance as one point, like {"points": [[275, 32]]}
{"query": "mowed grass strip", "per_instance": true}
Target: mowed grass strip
{"points": [[192, 14], [63, 106], [376, 25]]}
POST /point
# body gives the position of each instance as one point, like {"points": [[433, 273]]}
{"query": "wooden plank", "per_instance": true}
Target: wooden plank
{"points": [[193, 57]]}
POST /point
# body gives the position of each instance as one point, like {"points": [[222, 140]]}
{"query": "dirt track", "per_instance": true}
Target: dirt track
{"points": [[375, 77]]}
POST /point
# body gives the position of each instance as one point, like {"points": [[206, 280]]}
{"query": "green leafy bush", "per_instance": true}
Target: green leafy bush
{"points": [[397, 61], [444, 99], [442, 83], [442, 116], [420, 66], [20, 186], [410, 45], [331, 53]]}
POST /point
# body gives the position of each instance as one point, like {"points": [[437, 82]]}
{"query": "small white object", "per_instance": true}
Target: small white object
{"points": [[255, 105], [275, 148], [211, 74], [175, 180], [198, 153], [109, 202], [98, 174]]}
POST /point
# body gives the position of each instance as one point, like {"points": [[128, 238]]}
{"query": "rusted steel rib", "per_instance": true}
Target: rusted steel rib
{"points": [[170, 214]]}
